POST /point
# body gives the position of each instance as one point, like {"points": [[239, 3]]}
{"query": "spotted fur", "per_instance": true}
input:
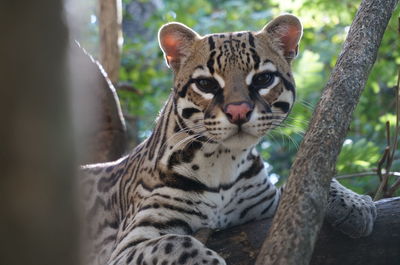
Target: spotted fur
{"points": [[199, 167]]}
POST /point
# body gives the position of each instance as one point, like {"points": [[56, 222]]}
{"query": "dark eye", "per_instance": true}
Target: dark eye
{"points": [[262, 79], [207, 85]]}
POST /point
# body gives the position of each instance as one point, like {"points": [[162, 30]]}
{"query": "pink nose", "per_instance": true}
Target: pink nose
{"points": [[239, 112]]}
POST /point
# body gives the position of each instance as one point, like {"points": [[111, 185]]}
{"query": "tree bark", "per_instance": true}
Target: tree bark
{"points": [[38, 223], [302, 207], [240, 245], [110, 19]]}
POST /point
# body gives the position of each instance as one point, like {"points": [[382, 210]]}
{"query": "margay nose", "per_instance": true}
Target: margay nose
{"points": [[238, 112]]}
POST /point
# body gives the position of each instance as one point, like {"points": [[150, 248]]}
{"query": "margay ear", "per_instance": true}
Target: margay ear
{"points": [[176, 40], [286, 30]]}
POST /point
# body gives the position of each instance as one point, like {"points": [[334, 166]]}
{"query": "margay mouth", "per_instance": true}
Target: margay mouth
{"points": [[240, 134]]}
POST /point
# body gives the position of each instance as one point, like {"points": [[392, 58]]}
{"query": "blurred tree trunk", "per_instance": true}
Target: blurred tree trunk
{"points": [[110, 18], [38, 218]]}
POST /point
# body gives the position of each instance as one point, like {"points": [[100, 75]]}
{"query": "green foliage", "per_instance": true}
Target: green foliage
{"points": [[326, 24], [358, 156]]}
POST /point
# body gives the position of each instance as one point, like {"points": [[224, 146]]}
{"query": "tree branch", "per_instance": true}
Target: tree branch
{"points": [[301, 211], [388, 156], [239, 245], [365, 174]]}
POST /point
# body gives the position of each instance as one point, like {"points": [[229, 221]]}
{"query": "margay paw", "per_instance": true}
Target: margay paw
{"points": [[351, 213]]}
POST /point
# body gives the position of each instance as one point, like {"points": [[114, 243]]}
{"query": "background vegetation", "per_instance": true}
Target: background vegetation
{"points": [[326, 24]]}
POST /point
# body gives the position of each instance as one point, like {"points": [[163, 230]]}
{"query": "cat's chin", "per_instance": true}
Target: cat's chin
{"points": [[240, 141]]}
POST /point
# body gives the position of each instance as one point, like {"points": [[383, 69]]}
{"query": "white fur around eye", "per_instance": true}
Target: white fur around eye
{"points": [[206, 73], [219, 79], [204, 95], [264, 67], [265, 91], [267, 67], [249, 77], [201, 72]]}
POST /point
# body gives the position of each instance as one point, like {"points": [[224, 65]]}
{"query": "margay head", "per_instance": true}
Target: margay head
{"points": [[233, 87]]}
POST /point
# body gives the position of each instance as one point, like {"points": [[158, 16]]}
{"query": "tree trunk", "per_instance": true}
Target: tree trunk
{"points": [[110, 18], [302, 207], [38, 220], [240, 245]]}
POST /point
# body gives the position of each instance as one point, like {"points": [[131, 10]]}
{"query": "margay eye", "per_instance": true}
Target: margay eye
{"points": [[263, 79], [207, 85]]}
